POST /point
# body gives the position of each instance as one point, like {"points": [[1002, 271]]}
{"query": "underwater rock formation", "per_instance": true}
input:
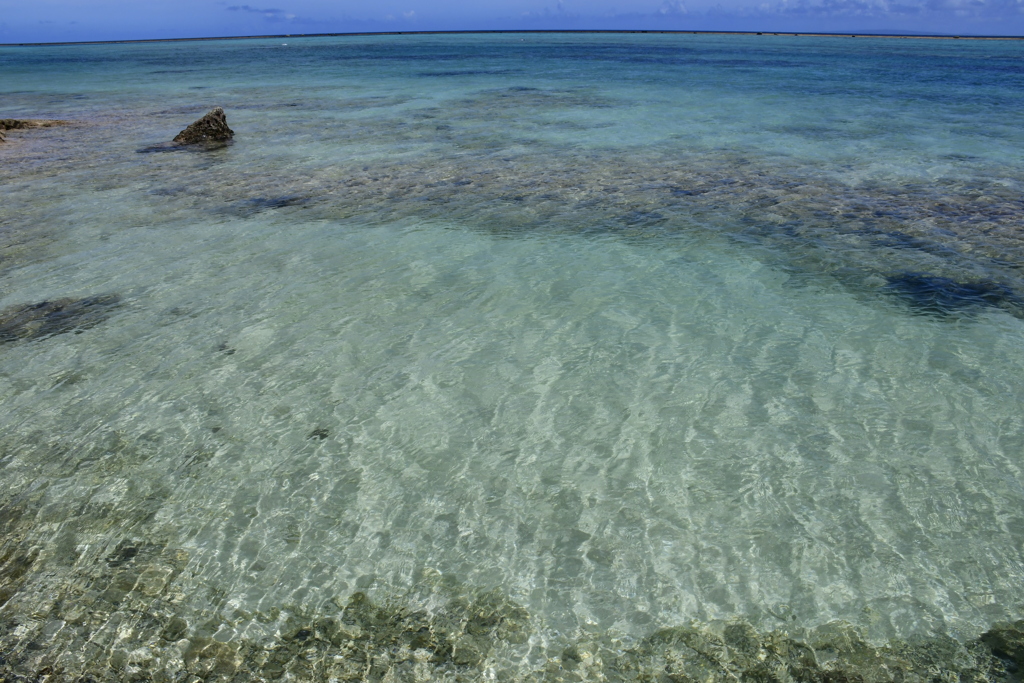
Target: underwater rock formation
{"points": [[114, 612], [251, 207], [47, 318], [866, 236], [467, 638], [944, 296], [1007, 642], [213, 127]]}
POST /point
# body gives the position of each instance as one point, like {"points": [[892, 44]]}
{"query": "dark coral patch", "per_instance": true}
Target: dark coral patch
{"points": [[47, 318], [247, 208], [944, 296]]}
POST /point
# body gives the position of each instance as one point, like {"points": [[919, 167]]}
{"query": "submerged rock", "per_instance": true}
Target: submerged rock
{"points": [[47, 318], [943, 296], [465, 635], [1007, 642], [255, 205], [213, 127]]}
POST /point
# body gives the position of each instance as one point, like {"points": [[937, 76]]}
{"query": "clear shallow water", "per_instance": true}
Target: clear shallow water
{"points": [[627, 329]]}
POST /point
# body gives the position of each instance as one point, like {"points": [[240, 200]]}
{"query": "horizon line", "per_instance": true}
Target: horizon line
{"points": [[809, 34]]}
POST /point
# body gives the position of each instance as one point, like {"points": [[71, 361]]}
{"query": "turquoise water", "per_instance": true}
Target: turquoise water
{"points": [[608, 334]]}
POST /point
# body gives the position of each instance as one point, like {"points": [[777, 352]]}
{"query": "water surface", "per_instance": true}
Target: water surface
{"points": [[542, 342]]}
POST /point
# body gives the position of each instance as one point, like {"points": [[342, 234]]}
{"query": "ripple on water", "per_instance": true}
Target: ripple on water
{"points": [[563, 371]]}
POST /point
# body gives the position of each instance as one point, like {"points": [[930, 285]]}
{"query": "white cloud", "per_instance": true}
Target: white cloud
{"points": [[270, 14], [672, 8], [979, 9]]}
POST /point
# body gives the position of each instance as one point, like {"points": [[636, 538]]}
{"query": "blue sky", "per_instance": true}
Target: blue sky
{"points": [[60, 20]]}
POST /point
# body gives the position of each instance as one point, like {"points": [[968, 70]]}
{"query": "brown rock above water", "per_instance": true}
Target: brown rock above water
{"points": [[21, 124], [18, 124], [213, 127]]}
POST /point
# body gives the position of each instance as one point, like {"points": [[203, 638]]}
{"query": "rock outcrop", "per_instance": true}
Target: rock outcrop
{"points": [[21, 124], [213, 127]]}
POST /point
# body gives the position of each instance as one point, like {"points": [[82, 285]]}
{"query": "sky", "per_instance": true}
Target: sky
{"points": [[82, 20]]}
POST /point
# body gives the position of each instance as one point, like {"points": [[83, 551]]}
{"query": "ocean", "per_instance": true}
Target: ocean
{"points": [[514, 357]]}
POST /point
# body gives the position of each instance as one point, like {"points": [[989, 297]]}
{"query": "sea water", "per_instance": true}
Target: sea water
{"points": [[538, 345]]}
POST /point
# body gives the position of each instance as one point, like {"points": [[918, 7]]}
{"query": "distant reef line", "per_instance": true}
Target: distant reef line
{"points": [[526, 31]]}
